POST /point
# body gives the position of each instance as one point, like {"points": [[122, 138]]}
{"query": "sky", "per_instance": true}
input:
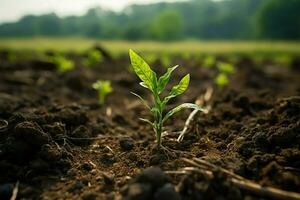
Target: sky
{"points": [[12, 10]]}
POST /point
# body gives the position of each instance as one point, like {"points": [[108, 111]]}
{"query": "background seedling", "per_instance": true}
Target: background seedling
{"points": [[157, 86], [209, 61], [224, 69], [93, 58], [63, 64], [104, 88], [221, 80]]}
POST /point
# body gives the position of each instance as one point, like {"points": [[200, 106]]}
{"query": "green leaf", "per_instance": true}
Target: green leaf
{"points": [[143, 70], [180, 107], [163, 80], [182, 86], [141, 98], [178, 89]]}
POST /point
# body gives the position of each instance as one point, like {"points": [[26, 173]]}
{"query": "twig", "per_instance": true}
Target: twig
{"points": [[269, 192], [201, 101], [243, 183], [15, 192], [186, 170], [291, 98], [112, 151], [212, 166]]}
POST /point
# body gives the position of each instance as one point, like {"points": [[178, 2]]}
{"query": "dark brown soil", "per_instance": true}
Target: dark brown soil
{"points": [[59, 143]]}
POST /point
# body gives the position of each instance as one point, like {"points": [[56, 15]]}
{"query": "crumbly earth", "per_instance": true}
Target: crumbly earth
{"points": [[59, 143]]}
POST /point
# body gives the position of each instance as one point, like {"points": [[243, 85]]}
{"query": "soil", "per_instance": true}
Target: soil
{"points": [[57, 142]]}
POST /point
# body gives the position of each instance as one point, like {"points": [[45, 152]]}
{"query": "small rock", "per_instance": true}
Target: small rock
{"points": [[132, 156], [107, 159], [150, 184], [153, 176], [127, 144], [108, 179], [31, 133], [87, 166]]}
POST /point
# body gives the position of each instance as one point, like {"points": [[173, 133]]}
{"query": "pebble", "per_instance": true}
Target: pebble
{"points": [[127, 144]]}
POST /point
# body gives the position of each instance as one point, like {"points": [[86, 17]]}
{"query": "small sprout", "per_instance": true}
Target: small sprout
{"points": [[157, 86], [221, 80], [62, 63], [104, 88], [209, 61], [225, 68], [93, 58]]}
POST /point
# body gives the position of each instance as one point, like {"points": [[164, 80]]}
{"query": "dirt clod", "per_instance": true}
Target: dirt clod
{"points": [[31, 133], [127, 144]]}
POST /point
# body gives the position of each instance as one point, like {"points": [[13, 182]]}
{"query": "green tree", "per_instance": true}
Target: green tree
{"points": [[278, 19], [49, 25], [167, 25]]}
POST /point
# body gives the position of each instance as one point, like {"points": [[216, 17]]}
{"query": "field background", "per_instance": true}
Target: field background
{"points": [[118, 47]]}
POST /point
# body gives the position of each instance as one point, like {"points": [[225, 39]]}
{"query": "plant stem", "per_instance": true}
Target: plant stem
{"points": [[158, 135]]}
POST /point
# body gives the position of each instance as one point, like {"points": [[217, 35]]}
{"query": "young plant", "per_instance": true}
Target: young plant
{"points": [[63, 64], [103, 88], [221, 80], [157, 86], [225, 69], [209, 61], [93, 58]]}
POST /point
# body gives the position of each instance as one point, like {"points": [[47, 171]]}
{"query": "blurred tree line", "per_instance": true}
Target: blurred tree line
{"points": [[204, 19]]}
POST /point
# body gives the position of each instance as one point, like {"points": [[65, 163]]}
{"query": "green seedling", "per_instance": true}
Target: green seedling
{"points": [[93, 58], [221, 80], [104, 88], [157, 86], [62, 63], [225, 68], [209, 61]]}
